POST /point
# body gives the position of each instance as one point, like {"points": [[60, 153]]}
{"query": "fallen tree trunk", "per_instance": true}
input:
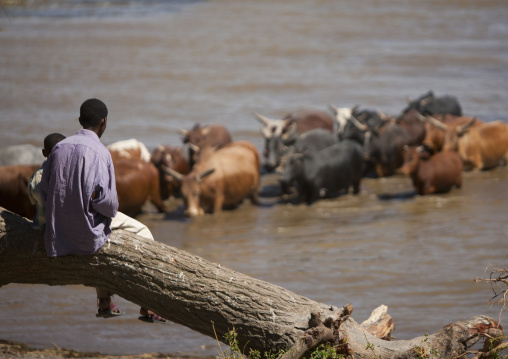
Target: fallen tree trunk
{"points": [[212, 299]]}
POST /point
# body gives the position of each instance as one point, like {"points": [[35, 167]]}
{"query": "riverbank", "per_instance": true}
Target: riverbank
{"points": [[10, 350]]}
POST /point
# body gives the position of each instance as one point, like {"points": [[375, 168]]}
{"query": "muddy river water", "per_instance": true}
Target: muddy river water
{"points": [[165, 65]]}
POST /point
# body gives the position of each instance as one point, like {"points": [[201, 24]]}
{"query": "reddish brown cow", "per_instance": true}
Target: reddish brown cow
{"points": [[433, 174], [414, 125], [480, 147], [213, 135], [434, 135], [171, 157], [14, 189], [221, 178], [136, 182]]}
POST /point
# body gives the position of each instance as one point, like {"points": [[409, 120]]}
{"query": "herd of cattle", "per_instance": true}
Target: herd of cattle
{"points": [[315, 155]]}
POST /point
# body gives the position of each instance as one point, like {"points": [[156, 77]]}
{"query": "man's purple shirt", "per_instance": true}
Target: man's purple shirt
{"points": [[77, 167]]}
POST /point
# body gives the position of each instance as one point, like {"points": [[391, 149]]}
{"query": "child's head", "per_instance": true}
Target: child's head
{"points": [[50, 141]]}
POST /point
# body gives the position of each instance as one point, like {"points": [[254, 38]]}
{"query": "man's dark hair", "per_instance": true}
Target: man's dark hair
{"points": [[91, 112], [51, 140]]}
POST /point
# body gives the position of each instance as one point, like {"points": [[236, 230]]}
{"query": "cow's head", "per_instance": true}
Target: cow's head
{"points": [[452, 133], [190, 190], [291, 170], [170, 157], [420, 102], [342, 115]]}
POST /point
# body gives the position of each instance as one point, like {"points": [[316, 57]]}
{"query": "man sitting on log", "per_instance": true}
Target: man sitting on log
{"points": [[79, 193]]}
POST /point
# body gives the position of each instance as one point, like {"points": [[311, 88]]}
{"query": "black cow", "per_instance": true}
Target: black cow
{"points": [[428, 105], [315, 139], [325, 173], [384, 147], [275, 132]]}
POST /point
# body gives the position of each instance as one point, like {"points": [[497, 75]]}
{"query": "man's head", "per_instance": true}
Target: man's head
{"points": [[93, 115], [50, 141]]}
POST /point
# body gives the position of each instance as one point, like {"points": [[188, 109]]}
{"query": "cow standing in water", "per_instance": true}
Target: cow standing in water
{"points": [[274, 132], [137, 181], [430, 174], [213, 135], [170, 157], [220, 179], [325, 173], [481, 147]]}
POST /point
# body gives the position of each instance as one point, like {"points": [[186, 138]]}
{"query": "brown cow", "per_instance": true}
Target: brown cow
{"points": [[480, 147], [136, 182], [436, 173], [171, 157], [434, 135], [412, 122], [214, 135], [222, 178], [131, 149], [14, 189]]}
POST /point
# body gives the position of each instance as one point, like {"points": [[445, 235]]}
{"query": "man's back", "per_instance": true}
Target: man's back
{"points": [[78, 186]]}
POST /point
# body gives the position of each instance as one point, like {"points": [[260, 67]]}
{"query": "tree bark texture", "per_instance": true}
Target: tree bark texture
{"points": [[208, 297]]}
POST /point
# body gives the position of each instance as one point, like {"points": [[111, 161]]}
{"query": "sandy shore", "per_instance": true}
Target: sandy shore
{"points": [[10, 350]]}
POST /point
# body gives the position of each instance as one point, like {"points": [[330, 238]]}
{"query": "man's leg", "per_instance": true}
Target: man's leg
{"points": [[107, 308], [122, 221]]}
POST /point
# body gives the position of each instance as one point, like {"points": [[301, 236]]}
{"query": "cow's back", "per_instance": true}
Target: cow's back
{"points": [[439, 173], [14, 189], [136, 182], [236, 175], [333, 169], [306, 121], [484, 146]]}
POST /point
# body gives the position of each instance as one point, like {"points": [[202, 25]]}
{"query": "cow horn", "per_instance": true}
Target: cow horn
{"points": [[465, 127], [358, 124], [333, 108], [206, 173], [194, 147], [436, 123], [177, 175], [264, 120], [381, 115], [420, 117], [183, 132]]}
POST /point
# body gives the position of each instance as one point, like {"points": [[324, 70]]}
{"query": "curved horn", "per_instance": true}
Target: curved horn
{"points": [[183, 132], [194, 147], [176, 175], [264, 120], [465, 127], [381, 115], [436, 123], [333, 108], [420, 117], [358, 124]]}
